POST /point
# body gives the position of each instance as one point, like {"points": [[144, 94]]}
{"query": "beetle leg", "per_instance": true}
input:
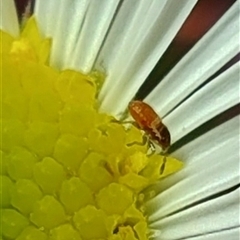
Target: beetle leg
{"points": [[152, 148], [163, 165], [145, 140], [125, 122]]}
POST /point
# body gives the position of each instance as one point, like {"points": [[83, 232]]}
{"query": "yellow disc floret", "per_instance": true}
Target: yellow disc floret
{"points": [[67, 171]]}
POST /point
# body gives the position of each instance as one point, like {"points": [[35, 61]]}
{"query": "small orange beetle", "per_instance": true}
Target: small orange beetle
{"points": [[148, 120]]}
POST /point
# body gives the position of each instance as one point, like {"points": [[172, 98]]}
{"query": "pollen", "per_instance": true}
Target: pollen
{"points": [[67, 170]]}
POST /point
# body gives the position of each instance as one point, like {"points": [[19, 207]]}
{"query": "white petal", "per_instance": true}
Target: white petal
{"points": [[213, 215], [96, 24], [217, 47], [140, 47], [229, 234], [71, 17], [62, 23], [214, 98], [8, 19], [212, 166], [47, 15], [128, 36], [78, 29]]}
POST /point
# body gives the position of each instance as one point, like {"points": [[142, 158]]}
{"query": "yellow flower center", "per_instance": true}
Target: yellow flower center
{"points": [[67, 171]]}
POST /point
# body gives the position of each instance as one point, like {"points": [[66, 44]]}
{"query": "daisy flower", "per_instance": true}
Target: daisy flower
{"points": [[71, 168]]}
